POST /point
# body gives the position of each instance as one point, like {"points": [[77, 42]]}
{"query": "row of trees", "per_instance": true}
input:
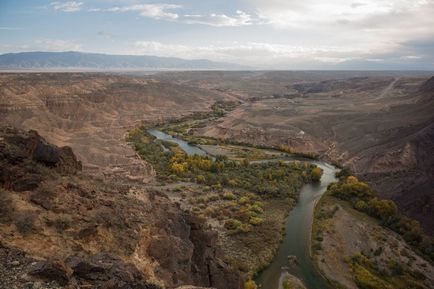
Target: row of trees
{"points": [[365, 199], [269, 179]]}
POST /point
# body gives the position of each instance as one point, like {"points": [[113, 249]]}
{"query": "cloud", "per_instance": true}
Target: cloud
{"points": [[156, 11], [55, 45], [165, 12], [252, 53], [282, 56], [71, 6], [51, 45], [9, 28], [363, 26], [219, 20], [290, 13]]}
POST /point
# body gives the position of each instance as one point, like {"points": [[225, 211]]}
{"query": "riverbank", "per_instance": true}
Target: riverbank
{"points": [[352, 250], [296, 242]]}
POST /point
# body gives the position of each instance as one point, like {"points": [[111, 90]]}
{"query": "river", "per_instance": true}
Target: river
{"points": [[296, 241]]}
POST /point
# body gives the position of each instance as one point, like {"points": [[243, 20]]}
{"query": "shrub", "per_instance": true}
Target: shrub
{"points": [[361, 205], [366, 280], [250, 284], [245, 228], [316, 174], [288, 284], [255, 221], [244, 200], [382, 209], [229, 196], [25, 222], [232, 224], [62, 223], [395, 268], [201, 179], [257, 208]]}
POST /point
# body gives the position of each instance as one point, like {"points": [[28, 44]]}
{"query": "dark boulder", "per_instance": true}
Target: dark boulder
{"points": [[105, 270], [50, 270], [23, 156]]}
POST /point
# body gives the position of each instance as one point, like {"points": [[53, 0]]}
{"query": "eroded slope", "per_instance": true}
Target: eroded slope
{"points": [[84, 231]]}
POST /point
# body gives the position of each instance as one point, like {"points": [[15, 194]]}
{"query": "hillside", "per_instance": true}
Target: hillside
{"points": [[379, 125], [95, 61], [67, 230], [92, 112]]}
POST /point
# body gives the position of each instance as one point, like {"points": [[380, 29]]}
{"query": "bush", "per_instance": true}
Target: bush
{"points": [[229, 196], [25, 222], [382, 209], [250, 284], [255, 221], [62, 223], [395, 268], [243, 200], [245, 228], [366, 280], [232, 224], [317, 174], [361, 205]]}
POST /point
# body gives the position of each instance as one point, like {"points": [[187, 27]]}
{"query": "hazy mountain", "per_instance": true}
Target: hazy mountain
{"points": [[80, 60]]}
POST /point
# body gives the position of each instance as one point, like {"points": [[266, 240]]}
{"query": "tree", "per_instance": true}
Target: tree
{"points": [[178, 168], [316, 174], [382, 209]]}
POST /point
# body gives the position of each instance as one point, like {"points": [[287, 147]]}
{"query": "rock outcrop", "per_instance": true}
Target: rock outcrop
{"points": [[75, 230]]}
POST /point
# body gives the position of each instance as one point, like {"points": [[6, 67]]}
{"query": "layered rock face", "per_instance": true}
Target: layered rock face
{"points": [[67, 229]]}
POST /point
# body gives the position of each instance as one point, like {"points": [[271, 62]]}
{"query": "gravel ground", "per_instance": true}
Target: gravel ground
{"points": [[13, 267]]}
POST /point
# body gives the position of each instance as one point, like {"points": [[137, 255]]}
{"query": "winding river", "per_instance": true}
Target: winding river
{"points": [[296, 241]]}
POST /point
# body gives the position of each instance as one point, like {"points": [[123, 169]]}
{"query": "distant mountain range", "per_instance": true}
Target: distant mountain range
{"points": [[95, 61]]}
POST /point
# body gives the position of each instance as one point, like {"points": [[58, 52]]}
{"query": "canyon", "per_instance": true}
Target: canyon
{"points": [[377, 124]]}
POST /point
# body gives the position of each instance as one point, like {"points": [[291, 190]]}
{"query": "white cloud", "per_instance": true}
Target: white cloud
{"points": [[279, 56], [51, 45], [156, 11], [164, 12], [369, 26], [71, 6], [307, 13], [219, 20], [55, 45], [250, 53]]}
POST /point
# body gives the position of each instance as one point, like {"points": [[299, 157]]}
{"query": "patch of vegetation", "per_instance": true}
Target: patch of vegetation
{"points": [[288, 284], [293, 151], [269, 179], [25, 222], [62, 223], [368, 275], [363, 198], [250, 284]]}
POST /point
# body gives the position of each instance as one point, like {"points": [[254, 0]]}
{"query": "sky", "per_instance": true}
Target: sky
{"points": [[265, 34]]}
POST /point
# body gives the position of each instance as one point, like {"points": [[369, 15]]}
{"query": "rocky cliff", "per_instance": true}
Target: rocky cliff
{"points": [[62, 228]]}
